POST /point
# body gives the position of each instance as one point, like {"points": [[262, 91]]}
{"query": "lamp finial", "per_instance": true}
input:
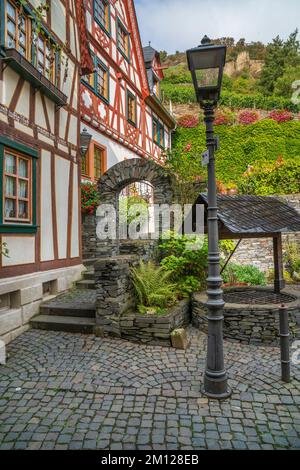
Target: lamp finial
{"points": [[205, 40]]}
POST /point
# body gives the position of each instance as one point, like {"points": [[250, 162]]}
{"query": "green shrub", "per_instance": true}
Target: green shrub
{"points": [[177, 74], [188, 267], [281, 177], [286, 276], [292, 260], [153, 288], [185, 93], [249, 274], [126, 203]]}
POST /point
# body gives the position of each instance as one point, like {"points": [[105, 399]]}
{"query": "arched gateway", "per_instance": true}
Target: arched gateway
{"points": [[110, 185], [112, 271], [131, 171]]}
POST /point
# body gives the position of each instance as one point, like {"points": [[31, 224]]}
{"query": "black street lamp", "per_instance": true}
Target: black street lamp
{"points": [[206, 64], [85, 140]]}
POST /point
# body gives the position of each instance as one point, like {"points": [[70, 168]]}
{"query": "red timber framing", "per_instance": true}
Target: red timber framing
{"points": [[59, 137], [126, 75]]}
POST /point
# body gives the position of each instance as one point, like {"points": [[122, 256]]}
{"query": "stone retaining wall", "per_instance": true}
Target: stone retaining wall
{"points": [[259, 251], [115, 294], [144, 249], [115, 304], [155, 329], [251, 324]]}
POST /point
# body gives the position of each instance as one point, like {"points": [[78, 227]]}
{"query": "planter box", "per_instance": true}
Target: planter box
{"points": [[155, 329]]}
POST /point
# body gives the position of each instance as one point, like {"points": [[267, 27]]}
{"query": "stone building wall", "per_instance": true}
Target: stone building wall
{"points": [[259, 251]]}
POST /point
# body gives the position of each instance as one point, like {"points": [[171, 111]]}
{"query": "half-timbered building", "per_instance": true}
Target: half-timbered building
{"points": [[121, 105], [39, 155]]}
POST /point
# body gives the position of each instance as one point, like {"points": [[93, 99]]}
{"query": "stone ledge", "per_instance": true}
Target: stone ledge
{"points": [[155, 330]]}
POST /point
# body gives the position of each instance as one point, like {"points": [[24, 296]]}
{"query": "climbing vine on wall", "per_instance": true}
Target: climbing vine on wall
{"points": [[255, 144]]}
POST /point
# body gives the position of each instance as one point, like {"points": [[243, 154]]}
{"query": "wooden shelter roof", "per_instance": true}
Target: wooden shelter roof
{"points": [[254, 215]]}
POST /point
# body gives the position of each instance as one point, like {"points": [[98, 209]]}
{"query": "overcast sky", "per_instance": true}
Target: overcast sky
{"points": [[179, 24]]}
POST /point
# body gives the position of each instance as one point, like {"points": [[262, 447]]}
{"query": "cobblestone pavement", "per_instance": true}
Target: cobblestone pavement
{"points": [[68, 391]]}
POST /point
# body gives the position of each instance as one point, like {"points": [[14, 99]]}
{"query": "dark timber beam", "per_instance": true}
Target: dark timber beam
{"points": [[279, 282]]}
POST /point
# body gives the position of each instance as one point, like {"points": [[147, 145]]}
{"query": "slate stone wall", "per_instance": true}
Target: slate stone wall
{"points": [[115, 294], [153, 329], [115, 299], [249, 323]]}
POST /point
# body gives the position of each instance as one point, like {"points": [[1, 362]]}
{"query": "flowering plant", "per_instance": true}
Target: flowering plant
{"points": [[89, 198], [224, 117], [188, 120], [280, 115], [226, 189], [248, 117]]}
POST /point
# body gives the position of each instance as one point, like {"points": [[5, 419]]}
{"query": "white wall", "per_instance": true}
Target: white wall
{"points": [[115, 152], [21, 250], [47, 248], [62, 170]]}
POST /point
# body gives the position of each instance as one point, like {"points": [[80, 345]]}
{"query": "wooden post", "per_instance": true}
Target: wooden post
{"points": [[279, 282]]}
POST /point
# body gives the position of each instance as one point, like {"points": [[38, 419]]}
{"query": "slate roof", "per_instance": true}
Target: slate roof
{"points": [[149, 54], [255, 214]]}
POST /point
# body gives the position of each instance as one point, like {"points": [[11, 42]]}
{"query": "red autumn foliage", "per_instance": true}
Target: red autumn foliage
{"points": [[223, 118], [188, 120], [280, 115], [248, 117]]}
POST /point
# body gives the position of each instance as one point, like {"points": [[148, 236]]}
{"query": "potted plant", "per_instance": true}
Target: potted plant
{"points": [[236, 275]]}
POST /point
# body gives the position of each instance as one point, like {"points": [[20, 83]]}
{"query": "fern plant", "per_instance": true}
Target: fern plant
{"points": [[153, 288]]}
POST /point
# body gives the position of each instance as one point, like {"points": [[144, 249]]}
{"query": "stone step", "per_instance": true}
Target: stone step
{"points": [[86, 284], [83, 310], [67, 324], [89, 275], [89, 262]]}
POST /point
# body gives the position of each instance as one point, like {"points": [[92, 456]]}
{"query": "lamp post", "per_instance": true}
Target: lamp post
{"points": [[206, 63]]}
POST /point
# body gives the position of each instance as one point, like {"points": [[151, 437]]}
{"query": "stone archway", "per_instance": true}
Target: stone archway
{"points": [[110, 185], [131, 171], [125, 173]]}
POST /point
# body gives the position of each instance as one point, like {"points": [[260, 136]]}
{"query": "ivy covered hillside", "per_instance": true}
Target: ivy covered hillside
{"points": [[259, 158]]}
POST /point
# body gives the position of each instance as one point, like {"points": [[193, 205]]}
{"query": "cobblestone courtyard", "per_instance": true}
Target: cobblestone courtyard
{"points": [[68, 391]]}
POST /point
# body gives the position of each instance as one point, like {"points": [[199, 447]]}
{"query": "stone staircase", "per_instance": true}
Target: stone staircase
{"points": [[73, 311], [88, 277]]}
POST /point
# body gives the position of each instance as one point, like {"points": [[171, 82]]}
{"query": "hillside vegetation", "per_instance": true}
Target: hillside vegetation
{"points": [[272, 90], [260, 158]]}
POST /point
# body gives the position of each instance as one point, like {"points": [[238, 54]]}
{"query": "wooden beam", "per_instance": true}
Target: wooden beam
{"points": [[279, 282]]}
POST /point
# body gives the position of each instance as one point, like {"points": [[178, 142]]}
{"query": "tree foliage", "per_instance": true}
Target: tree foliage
{"points": [[280, 55]]}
